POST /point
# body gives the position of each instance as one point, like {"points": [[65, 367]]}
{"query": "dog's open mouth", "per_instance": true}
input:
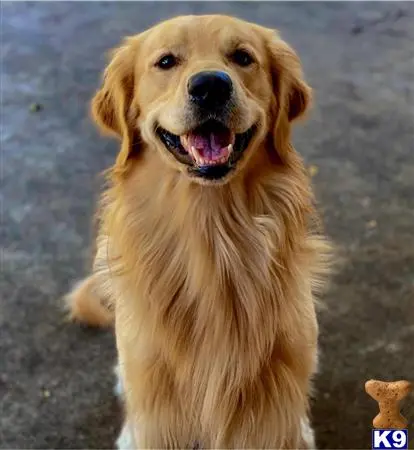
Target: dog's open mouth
{"points": [[210, 150], [209, 145]]}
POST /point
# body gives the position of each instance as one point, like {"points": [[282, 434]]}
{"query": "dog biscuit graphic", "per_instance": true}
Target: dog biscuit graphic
{"points": [[388, 395]]}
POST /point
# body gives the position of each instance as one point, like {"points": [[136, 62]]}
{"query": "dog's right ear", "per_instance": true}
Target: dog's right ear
{"points": [[111, 105]]}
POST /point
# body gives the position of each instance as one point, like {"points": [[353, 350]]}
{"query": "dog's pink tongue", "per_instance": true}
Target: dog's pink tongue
{"points": [[200, 142], [212, 146]]}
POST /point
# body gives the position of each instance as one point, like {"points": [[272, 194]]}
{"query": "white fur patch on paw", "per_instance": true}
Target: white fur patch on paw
{"points": [[125, 440], [119, 385], [308, 436]]}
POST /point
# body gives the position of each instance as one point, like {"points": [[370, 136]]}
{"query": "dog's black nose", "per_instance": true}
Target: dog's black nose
{"points": [[210, 89]]}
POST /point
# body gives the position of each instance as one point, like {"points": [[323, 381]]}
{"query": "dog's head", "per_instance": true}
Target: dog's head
{"points": [[204, 92]]}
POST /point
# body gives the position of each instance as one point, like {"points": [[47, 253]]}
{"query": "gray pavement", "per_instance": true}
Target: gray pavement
{"points": [[56, 378]]}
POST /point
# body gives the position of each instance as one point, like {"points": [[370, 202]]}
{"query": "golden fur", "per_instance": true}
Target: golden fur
{"points": [[212, 283]]}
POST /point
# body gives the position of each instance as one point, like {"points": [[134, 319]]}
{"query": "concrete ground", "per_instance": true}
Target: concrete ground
{"points": [[56, 378]]}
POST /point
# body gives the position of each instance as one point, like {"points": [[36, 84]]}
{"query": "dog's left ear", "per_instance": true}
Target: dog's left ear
{"points": [[111, 106], [293, 94]]}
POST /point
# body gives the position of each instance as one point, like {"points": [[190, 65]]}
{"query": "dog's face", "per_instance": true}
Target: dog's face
{"points": [[203, 92]]}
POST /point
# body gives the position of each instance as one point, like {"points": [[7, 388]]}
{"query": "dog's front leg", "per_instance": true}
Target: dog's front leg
{"points": [[156, 415]]}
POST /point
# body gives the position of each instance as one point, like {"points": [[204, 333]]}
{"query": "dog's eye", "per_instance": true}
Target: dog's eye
{"points": [[167, 62], [242, 58]]}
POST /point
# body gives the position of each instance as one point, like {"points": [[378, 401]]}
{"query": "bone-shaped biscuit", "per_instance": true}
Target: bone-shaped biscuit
{"points": [[388, 395]]}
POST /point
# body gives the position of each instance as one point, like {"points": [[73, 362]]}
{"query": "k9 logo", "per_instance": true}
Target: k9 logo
{"points": [[389, 439]]}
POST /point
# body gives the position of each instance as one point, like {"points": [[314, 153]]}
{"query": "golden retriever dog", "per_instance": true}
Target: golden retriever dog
{"points": [[208, 253]]}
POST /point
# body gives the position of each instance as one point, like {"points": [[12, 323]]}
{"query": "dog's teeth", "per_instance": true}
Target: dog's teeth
{"points": [[195, 155], [230, 148]]}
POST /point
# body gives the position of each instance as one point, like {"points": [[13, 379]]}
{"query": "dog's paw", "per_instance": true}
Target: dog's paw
{"points": [[308, 435], [125, 440], [119, 385]]}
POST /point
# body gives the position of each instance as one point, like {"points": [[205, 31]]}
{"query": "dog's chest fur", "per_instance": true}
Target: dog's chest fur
{"points": [[215, 284]]}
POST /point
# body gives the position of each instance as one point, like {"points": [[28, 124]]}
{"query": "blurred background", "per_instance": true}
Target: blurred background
{"points": [[56, 381]]}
